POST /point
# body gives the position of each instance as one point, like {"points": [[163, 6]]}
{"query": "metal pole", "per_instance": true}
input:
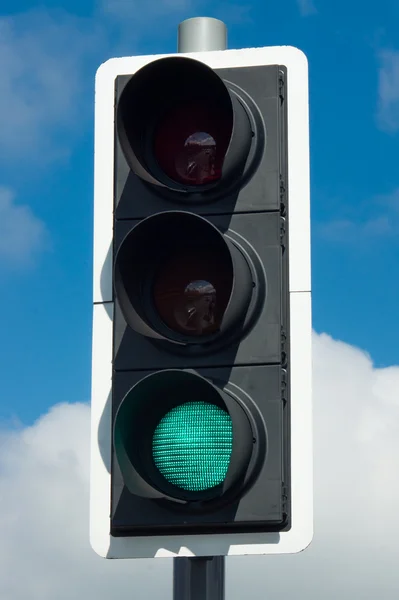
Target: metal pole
{"points": [[201, 34], [200, 578]]}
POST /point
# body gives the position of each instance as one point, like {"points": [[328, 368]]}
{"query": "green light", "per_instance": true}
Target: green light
{"points": [[192, 445]]}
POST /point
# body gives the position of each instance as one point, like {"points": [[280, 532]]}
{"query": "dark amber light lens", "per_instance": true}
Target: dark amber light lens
{"points": [[191, 142], [192, 291]]}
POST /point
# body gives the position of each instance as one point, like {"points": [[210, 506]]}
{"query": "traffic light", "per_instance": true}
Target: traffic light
{"points": [[201, 407]]}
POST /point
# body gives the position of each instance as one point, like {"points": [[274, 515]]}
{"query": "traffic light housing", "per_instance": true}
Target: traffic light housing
{"points": [[195, 434]]}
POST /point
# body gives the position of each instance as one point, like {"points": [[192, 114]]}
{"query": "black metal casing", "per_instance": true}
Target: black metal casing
{"points": [[253, 369]]}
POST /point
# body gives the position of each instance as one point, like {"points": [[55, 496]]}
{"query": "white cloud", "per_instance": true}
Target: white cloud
{"points": [[134, 9], [47, 64], [44, 503], [346, 230], [307, 7], [390, 201], [388, 91], [355, 548], [160, 14], [48, 60], [22, 234], [44, 546], [383, 222]]}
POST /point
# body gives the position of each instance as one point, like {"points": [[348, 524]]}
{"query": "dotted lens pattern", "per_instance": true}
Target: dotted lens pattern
{"points": [[192, 445]]}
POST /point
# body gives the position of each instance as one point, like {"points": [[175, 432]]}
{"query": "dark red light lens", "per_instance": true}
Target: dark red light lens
{"points": [[192, 291], [191, 142]]}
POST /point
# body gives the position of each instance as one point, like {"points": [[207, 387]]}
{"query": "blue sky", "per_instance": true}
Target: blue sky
{"points": [[48, 56]]}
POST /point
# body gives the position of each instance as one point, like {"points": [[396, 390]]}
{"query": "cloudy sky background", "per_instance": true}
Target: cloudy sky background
{"points": [[44, 549], [48, 57]]}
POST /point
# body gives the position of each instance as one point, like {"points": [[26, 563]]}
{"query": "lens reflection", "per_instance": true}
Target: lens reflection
{"points": [[196, 161], [196, 312], [190, 144], [191, 293]]}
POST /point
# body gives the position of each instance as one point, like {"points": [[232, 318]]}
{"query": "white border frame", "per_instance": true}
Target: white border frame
{"points": [[301, 532]]}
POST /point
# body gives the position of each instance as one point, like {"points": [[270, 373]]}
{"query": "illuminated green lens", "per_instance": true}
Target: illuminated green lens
{"points": [[192, 445]]}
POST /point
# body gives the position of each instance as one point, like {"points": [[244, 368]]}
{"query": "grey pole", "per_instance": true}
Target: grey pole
{"points": [[201, 34], [200, 578]]}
